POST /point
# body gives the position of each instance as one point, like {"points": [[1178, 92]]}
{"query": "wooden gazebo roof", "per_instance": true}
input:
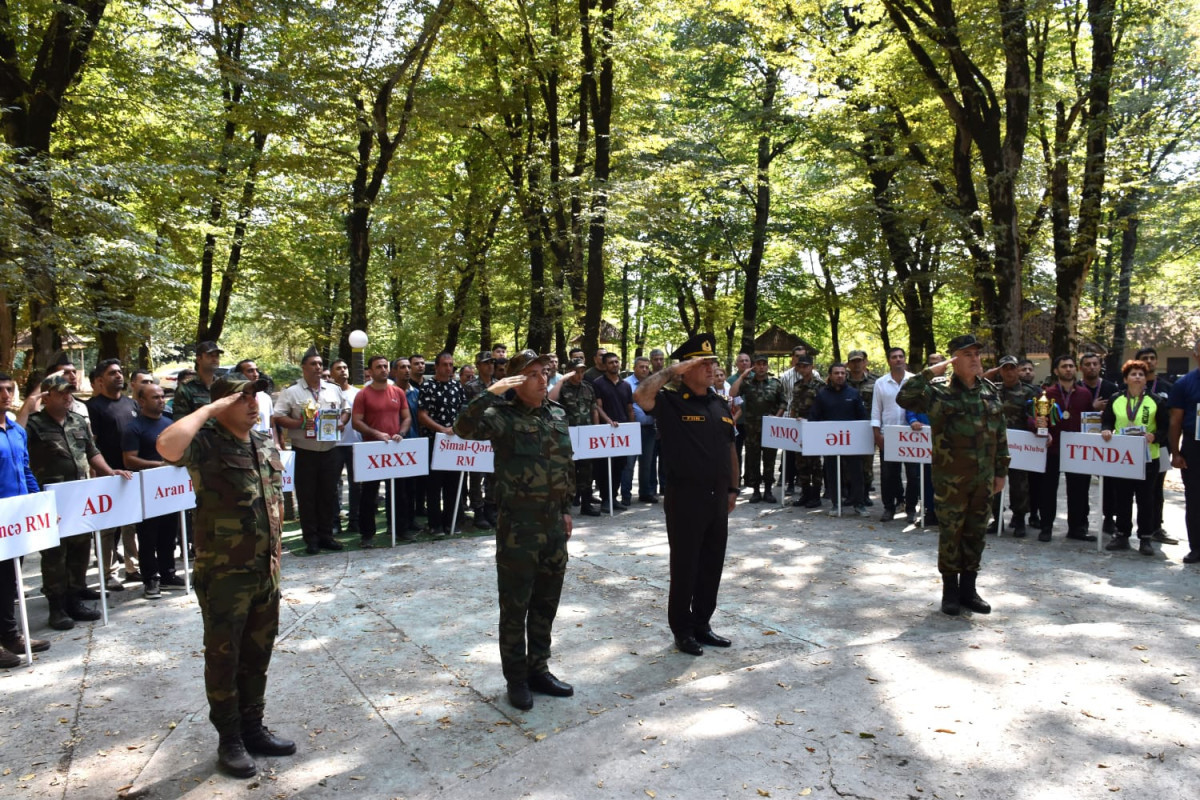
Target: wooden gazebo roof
{"points": [[775, 341]]}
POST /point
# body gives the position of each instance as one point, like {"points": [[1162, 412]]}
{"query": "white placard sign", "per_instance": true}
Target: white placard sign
{"points": [[1027, 450], [166, 490], [377, 461], [96, 504], [28, 523], [782, 433], [903, 445], [604, 441], [288, 457], [852, 438], [454, 454], [1119, 457]]}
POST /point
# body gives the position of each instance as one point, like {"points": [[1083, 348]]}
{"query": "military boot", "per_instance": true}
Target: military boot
{"points": [[1018, 526], [993, 527], [77, 611], [232, 758], [260, 741], [950, 594], [755, 496], [968, 598], [769, 496], [59, 619]]}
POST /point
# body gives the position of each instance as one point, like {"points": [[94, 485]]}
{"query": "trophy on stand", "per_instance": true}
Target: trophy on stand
{"points": [[1041, 413]]}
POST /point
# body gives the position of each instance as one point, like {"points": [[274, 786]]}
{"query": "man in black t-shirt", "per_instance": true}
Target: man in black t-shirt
{"points": [[156, 536], [110, 411]]}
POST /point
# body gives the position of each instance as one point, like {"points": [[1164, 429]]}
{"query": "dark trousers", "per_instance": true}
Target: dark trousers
{"points": [[1190, 450], [345, 455], [368, 506], [1160, 481], [156, 545], [440, 488], [8, 596], [316, 493], [697, 532], [894, 491], [852, 476], [618, 466], [1078, 488], [1125, 492]]}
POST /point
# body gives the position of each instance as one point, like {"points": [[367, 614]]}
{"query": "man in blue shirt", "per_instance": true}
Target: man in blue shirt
{"points": [[647, 461], [1184, 444]]}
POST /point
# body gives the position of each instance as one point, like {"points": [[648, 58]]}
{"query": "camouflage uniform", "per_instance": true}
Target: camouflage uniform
{"points": [[866, 389], [1018, 408], [760, 399], [239, 527], [534, 482], [970, 450], [57, 454], [189, 395], [808, 468], [578, 401], [476, 481]]}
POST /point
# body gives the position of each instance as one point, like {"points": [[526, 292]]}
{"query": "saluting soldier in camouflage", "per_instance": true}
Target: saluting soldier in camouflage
{"points": [[808, 468], [195, 391], [1016, 398], [970, 463], [237, 476], [61, 449], [534, 481], [762, 396], [578, 399]]}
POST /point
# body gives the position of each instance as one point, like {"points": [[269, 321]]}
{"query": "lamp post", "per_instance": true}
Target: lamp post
{"points": [[358, 342]]}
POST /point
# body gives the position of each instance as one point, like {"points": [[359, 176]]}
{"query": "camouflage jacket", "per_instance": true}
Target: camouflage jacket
{"points": [[967, 427], [239, 501], [60, 453], [578, 400], [761, 399], [534, 475], [865, 387], [189, 395], [803, 394], [1018, 405], [474, 387]]}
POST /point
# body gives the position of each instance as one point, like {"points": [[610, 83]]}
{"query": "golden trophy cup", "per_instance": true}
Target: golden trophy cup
{"points": [[1041, 413]]}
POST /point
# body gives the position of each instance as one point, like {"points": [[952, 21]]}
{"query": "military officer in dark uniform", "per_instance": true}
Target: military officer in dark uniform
{"points": [[535, 481], [700, 472], [238, 479]]}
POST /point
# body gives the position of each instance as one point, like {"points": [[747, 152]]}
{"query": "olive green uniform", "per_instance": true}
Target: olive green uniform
{"points": [[760, 398], [866, 389], [579, 401], [58, 454], [239, 526], [189, 395], [970, 450], [1017, 404], [808, 468], [535, 481]]}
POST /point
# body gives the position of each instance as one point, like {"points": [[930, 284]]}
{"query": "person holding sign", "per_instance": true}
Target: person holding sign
{"points": [[840, 402], [578, 398], [535, 481], [762, 396], [16, 478], [1068, 401], [1017, 398], [700, 476], [970, 462], [1135, 412], [238, 480], [381, 414], [1184, 443]]}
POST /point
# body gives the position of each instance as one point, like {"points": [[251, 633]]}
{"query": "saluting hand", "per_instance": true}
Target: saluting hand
{"points": [[940, 368], [504, 384]]}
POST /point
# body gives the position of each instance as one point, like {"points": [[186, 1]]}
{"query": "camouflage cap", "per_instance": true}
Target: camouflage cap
{"points": [[205, 347], [757, 357], [523, 359], [483, 357], [856, 354], [963, 342], [577, 363], [1009, 361], [804, 361], [235, 383], [57, 383]]}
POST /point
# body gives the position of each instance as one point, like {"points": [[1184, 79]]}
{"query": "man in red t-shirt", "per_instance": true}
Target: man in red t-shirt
{"points": [[380, 414]]}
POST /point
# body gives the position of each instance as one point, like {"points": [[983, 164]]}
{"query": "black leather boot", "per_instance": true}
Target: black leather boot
{"points": [[59, 619], [260, 741], [968, 598], [77, 611], [950, 594], [232, 758], [1018, 526]]}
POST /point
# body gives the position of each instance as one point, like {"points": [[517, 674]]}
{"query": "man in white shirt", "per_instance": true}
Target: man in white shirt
{"points": [[885, 411], [339, 371]]}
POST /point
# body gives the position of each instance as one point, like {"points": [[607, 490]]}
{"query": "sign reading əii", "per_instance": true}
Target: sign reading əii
{"points": [[166, 490], [379, 461], [782, 433], [28, 523], [1088, 453], [605, 441], [903, 445], [98, 503], [853, 438], [453, 454]]}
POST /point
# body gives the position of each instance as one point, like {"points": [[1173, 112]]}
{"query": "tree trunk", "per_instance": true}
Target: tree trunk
{"points": [[762, 215], [601, 108]]}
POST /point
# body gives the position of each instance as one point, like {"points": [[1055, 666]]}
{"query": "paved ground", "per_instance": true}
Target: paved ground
{"points": [[844, 681]]}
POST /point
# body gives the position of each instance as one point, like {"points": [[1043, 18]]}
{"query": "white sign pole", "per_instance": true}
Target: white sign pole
{"points": [[24, 610], [611, 501], [183, 537], [922, 498], [839, 485], [392, 506], [101, 570], [1000, 514], [457, 498], [1100, 538], [783, 483]]}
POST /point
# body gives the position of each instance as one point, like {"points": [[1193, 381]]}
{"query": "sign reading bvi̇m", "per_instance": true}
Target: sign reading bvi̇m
{"points": [[28, 523], [1027, 450], [1120, 457], [854, 438], [903, 445], [453, 454], [782, 433], [605, 441], [96, 504], [166, 490], [378, 461]]}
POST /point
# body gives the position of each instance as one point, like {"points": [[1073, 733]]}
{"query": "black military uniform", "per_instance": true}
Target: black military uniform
{"points": [[696, 437]]}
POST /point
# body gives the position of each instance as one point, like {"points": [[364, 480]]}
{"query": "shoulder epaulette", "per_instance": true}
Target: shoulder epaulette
{"points": [[940, 380]]}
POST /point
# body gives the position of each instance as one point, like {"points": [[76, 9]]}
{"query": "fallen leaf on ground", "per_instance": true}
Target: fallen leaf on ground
{"points": [[943, 730]]}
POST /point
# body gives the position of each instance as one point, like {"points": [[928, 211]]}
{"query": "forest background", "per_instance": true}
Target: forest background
{"points": [[447, 173]]}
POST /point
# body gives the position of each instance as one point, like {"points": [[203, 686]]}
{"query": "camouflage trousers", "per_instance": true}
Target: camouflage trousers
{"points": [[583, 479], [1018, 491], [64, 568], [241, 619], [962, 512], [760, 461], [809, 472], [531, 562]]}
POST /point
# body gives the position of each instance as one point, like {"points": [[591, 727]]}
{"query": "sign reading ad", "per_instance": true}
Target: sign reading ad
{"points": [[1119, 457], [379, 461], [782, 433], [166, 490], [452, 454], [28, 523], [1028, 450], [904, 445], [605, 441], [93, 505], [854, 438]]}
